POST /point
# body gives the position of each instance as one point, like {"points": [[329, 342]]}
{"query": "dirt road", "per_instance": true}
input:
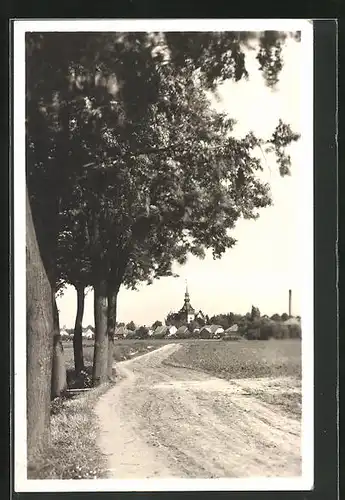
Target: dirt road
{"points": [[161, 421]]}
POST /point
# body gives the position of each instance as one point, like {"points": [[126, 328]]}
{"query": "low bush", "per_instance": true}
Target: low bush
{"points": [[282, 332], [263, 329], [295, 331], [253, 334]]}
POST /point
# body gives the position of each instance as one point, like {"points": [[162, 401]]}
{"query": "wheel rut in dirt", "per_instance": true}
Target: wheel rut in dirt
{"points": [[163, 421]]}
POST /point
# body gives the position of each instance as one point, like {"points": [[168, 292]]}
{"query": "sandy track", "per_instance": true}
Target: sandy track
{"points": [[161, 421]]}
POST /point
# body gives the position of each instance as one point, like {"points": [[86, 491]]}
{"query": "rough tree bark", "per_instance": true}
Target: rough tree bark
{"points": [[113, 291], [78, 329], [39, 338], [100, 359], [59, 379]]}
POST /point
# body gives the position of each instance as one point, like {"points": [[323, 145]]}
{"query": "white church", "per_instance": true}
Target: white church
{"points": [[187, 312]]}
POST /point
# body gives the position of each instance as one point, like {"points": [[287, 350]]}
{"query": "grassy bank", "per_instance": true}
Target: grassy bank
{"points": [[74, 453]]}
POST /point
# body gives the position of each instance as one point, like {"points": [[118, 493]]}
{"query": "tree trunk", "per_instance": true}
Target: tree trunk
{"points": [[100, 359], [59, 379], [111, 325], [39, 338], [78, 329]]}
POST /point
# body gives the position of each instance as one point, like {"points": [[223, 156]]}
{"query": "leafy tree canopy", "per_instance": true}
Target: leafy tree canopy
{"points": [[131, 326], [156, 324], [255, 313], [129, 167], [142, 332]]}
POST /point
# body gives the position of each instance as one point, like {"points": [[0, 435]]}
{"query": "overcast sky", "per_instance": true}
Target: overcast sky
{"points": [[266, 262]]}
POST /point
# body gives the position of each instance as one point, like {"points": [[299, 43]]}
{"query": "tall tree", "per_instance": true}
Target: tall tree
{"points": [[78, 330], [174, 319], [169, 209], [221, 319], [59, 376], [44, 183], [255, 313], [39, 338], [113, 290], [142, 332], [73, 265], [130, 110]]}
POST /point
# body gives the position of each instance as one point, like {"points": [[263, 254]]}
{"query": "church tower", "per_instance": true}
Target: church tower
{"points": [[187, 312]]}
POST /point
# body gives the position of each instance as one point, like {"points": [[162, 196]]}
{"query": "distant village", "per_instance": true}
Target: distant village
{"points": [[187, 323]]}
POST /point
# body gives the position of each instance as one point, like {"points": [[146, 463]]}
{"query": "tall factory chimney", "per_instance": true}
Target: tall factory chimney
{"points": [[290, 293]]}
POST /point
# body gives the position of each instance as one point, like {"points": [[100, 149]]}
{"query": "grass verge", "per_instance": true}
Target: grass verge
{"points": [[74, 453]]}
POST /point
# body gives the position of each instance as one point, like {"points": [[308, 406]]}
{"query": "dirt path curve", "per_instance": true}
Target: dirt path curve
{"points": [[161, 421]]}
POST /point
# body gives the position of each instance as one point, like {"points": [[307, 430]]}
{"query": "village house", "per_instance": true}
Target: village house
{"points": [[205, 332], [171, 331], [160, 332], [130, 334], [182, 332], [88, 334], [233, 328], [121, 332], [216, 331], [211, 331], [231, 333], [63, 333]]}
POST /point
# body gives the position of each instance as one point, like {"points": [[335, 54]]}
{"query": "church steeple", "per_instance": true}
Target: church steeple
{"points": [[187, 312], [186, 295]]}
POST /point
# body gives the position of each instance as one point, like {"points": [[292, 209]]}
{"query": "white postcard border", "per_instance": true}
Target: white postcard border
{"points": [[305, 482]]}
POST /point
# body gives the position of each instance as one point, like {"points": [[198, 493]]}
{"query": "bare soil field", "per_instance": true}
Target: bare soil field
{"points": [[247, 359], [164, 419], [273, 366]]}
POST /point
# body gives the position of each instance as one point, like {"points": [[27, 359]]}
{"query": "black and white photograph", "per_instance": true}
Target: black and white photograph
{"points": [[163, 219]]}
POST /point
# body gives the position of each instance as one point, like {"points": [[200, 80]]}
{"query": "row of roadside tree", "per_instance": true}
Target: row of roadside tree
{"points": [[128, 170]]}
